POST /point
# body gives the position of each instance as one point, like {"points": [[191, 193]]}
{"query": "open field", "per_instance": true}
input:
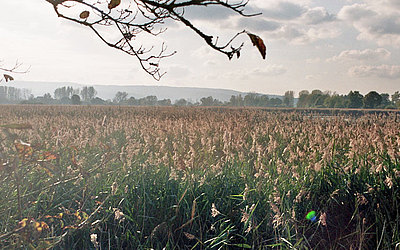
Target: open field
{"points": [[182, 178]]}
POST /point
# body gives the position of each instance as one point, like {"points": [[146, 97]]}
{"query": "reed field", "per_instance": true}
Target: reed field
{"points": [[104, 177]]}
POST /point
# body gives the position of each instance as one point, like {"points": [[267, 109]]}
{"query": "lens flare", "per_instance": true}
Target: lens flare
{"points": [[311, 216]]}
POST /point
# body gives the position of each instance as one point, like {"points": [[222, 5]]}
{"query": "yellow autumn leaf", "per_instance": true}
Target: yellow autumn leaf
{"points": [[44, 225], [23, 222], [78, 217], [37, 226]]}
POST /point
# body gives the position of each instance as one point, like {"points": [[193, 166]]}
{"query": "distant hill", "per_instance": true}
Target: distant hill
{"points": [[138, 91]]}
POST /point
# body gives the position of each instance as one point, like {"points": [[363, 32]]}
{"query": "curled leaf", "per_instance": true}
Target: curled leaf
{"points": [[259, 43], [85, 14], [113, 4]]}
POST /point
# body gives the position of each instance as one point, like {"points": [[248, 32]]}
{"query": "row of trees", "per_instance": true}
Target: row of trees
{"points": [[67, 95], [252, 99], [256, 100], [122, 98], [372, 100], [313, 99], [86, 94], [13, 95]]}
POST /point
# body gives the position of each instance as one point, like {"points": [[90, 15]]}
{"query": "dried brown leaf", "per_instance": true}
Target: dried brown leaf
{"points": [[259, 43], [113, 4], [85, 14], [8, 78]]}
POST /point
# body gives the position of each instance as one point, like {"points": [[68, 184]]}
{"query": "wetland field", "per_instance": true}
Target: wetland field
{"points": [[112, 177]]}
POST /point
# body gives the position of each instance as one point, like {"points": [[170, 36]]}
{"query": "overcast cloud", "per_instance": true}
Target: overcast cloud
{"points": [[312, 44], [367, 55], [384, 71]]}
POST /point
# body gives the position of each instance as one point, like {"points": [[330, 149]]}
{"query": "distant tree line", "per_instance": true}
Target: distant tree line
{"points": [[87, 95], [256, 100], [13, 95], [306, 99], [67, 95], [372, 100]]}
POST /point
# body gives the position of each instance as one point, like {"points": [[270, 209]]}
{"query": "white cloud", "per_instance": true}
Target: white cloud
{"points": [[355, 12], [209, 13], [293, 21], [393, 5], [318, 15], [178, 71], [284, 11], [258, 24], [303, 35], [298, 12], [265, 4], [270, 70], [378, 21], [323, 33], [310, 77], [203, 52], [291, 33], [362, 55], [381, 71], [313, 60]]}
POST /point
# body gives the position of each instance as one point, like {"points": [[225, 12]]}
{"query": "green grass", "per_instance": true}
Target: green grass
{"points": [[262, 195]]}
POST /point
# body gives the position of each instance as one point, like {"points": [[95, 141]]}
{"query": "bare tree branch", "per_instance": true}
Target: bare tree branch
{"points": [[13, 69], [131, 18]]}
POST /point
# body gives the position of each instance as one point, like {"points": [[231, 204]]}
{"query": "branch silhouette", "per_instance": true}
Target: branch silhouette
{"points": [[134, 18], [14, 69]]}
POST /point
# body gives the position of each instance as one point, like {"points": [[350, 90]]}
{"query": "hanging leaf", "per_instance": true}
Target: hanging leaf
{"points": [[8, 78], [85, 14], [259, 43], [113, 4]]}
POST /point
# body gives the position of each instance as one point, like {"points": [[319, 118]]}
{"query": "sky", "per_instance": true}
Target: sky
{"points": [[335, 45]]}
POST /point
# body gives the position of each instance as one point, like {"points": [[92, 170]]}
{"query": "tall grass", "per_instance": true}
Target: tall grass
{"points": [[195, 178]]}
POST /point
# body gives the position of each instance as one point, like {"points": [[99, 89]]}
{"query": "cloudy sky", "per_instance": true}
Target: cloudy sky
{"points": [[336, 45]]}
